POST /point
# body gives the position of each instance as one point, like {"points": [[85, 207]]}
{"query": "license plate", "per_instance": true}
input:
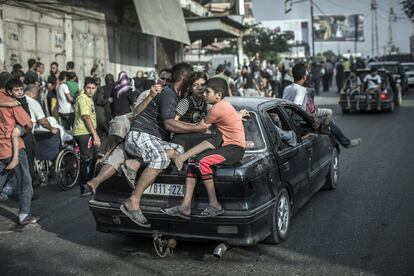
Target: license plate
{"points": [[363, 97], [165, 189]]}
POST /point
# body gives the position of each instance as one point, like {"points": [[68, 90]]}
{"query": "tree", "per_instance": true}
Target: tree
{"points": [[259, 39], [408, 6], [264, 41]]}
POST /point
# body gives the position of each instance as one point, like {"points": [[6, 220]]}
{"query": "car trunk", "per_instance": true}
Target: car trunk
{"points": [[237, 187]]}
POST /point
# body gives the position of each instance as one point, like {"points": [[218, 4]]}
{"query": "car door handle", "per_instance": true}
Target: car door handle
{"points": [[286, 166]]}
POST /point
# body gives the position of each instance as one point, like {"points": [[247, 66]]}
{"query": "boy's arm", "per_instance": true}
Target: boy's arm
{"points": [[69, 97], [9, 104], [88, 122], [183, 127]]}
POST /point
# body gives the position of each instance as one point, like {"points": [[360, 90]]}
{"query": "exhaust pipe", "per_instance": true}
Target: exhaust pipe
{"points": [[220, 249]]}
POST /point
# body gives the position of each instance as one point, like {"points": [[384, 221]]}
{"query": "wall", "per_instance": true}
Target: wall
{"points": [[106, 36]]}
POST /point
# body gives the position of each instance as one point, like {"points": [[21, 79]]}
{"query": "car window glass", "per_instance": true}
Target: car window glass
{"points": [[302, 125], [253, 133]]}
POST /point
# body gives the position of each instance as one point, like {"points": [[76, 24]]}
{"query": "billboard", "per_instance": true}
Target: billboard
{"points": [[339, 27]]}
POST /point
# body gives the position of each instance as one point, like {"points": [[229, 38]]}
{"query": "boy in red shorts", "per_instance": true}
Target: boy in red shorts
{"points": [[229, 124]]}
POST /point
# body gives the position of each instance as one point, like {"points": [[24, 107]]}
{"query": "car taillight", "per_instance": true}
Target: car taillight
{"points": [[383, 96]]}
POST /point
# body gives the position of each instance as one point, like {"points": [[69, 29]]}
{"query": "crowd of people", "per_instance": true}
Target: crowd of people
{"points": [[175, 114]]}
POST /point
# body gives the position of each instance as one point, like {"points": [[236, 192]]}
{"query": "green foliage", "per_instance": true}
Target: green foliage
{"points": [[265, 41], [259, 39]]}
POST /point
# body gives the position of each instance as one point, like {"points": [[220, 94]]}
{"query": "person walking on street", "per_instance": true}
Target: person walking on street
{"points": [[339, 68]]}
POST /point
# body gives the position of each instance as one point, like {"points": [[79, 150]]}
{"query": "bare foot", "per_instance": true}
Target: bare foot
{"points": [[178, 161], [13, 163]]}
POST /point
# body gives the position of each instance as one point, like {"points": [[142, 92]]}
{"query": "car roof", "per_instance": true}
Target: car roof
{"points": [[252, 102], [384, 63], [407, 63]]}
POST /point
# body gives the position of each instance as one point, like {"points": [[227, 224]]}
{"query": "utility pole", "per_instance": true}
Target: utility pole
{"points": [[374, 28], [391, 20], [312, 28]]}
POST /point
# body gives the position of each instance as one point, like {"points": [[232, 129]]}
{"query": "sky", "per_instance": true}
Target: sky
{"points": [[266, 10]]}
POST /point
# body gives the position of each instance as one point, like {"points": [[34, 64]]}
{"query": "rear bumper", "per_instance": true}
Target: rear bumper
{"points": [[363, 105], [237, 228]]}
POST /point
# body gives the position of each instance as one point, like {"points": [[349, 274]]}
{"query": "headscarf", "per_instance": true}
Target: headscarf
{"points": [[123, 84]]}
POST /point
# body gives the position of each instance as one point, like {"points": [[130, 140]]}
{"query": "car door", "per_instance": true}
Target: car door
{"points": [[295, 162]]}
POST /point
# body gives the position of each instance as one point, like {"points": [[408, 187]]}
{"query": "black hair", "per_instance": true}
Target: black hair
{"points": [[13, 83], [4, 78], [220, 69], [38, 64], [89, 80], [196, 76], [62, 76], [70, 75], [31, 62], [218, 85], [109, 79], [54, 63], [70, 65], [180, 70], [17, 66], [227, 73], [374, 69], [299, 72], [17, 74]]}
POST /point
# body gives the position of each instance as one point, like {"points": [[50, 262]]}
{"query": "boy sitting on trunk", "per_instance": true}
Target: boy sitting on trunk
{"points": [[229, 124]]}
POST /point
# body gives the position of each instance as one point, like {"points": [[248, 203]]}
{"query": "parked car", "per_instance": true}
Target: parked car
{"points": [[259, 195], [409, 71], [396, 69], [388, 96]]}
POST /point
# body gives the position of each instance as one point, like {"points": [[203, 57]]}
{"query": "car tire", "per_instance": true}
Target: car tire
{"points": [[391, 109], [281, 215], [333, 174], [398, 100]]}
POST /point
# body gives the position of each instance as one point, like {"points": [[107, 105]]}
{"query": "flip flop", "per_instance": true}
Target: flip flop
{"points": [[129, 174], [211, 211], [136, 216], [175, 212]]}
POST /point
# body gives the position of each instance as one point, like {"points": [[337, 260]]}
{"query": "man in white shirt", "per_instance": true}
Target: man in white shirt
{"points": [[65, 100], [373, 84], [39, 120], [297, 93]]}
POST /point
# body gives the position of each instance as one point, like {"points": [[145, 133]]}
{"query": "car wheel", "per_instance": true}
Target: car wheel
{"points": [[281, 214], [333, 175], [398, 100], [392, 107]]}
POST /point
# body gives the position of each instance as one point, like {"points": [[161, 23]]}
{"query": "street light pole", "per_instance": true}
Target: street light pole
{"points": [[312, 28]]}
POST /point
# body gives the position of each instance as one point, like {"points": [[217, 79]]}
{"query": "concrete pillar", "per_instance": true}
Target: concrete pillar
{"points": [[67, 29], [240, 49]]}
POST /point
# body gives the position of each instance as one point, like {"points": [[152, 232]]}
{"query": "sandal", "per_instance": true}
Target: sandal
{"points": [[136, 216], [130, 175], [175, 212], [211, 211]]}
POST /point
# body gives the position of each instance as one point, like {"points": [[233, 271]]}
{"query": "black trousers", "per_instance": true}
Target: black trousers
{"points": [[68, 120], [87, 158], [30, 145]]}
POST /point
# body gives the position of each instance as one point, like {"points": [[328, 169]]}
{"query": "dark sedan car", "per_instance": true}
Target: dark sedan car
{"points": [[387, 97], [259, 195]]}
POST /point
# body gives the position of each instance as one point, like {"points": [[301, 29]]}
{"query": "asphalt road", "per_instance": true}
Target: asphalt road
{"points": [[365, 227]]}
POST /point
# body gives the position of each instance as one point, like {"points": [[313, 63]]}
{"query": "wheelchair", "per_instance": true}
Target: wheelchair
{"points": [[55, 162]]}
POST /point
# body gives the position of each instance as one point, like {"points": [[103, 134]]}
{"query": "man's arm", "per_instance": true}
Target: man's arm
{"points": [[45, 123], [183, 127], [155, 90], [69, 97]]}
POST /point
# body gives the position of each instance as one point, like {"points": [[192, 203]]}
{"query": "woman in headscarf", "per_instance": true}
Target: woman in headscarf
{"points": [[123, 95]]}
